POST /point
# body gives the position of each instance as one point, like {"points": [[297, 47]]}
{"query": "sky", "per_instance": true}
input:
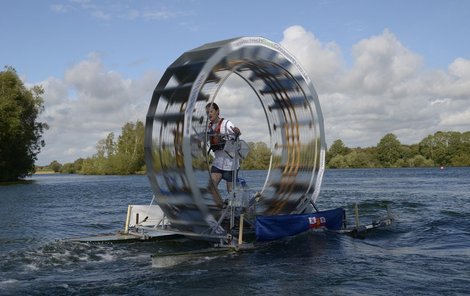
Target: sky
{"points": [[379, 67]]}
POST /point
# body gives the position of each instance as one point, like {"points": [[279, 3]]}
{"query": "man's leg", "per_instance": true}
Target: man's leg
{"points": [[228, 177], [229, 187], [216, 177], [213, 184]]}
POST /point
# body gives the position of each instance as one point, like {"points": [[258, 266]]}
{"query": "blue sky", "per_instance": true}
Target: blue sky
{"points": [[378, 66]]}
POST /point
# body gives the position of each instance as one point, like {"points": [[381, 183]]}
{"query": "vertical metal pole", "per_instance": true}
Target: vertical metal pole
{"points": [[240, 231], [234, 184], [128, 219]]}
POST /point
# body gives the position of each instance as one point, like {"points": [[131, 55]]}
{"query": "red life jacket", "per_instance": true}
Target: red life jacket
{"points": [[217, 142]]}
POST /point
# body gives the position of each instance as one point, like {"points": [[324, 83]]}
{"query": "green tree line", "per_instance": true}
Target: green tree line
{"points": [[125, 155], [441, 149]]}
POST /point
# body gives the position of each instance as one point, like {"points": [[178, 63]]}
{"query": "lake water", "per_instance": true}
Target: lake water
{"points": [[425, 252]]}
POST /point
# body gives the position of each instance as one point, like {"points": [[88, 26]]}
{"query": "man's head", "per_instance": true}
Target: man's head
{"points": [[212, 111]]}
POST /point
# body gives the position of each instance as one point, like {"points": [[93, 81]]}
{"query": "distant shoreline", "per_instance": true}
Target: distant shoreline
{"points": [[44, 172]]}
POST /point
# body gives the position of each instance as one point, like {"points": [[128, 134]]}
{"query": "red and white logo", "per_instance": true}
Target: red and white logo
{"points": [[315, 222]]}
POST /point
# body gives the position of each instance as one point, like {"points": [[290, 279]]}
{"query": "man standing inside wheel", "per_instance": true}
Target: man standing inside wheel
{"points": [[221, 130]]}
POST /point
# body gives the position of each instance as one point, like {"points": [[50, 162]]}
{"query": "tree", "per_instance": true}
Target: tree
{"points": [[106, 147], [389, 150], [360, 159], [442, 153], [461, 155], [20, 132], [67, 168], [130, 148], [77, 165], [338, 162], [447, 148], [337, 148], [121, 157], [258, 157], [427, 147], [419, 161], [55, 166]]}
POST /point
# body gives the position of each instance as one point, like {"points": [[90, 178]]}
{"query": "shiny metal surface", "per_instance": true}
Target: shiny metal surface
{"points": [[176, 130]]}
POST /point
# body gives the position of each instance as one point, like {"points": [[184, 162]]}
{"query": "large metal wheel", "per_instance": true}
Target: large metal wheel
{"points": [[176, 130]]}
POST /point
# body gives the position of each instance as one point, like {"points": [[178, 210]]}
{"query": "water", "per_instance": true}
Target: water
{"points": [[426, 252]]}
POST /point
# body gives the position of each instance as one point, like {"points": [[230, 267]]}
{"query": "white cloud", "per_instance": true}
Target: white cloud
{"points": [[87, 104], [457, 119], [460, 68], [323, 62], [459, 79], [382, 63], [387, 89]]}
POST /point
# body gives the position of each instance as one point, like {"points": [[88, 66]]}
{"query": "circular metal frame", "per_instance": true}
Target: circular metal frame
{"points": [[176, 130]]}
